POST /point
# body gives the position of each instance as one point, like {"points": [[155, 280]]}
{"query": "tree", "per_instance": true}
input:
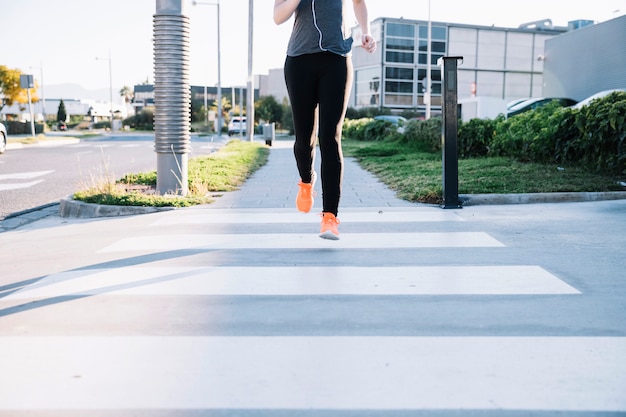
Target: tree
{"points": [[9, 85], [267, 108], [128, 95], [61, 113]]}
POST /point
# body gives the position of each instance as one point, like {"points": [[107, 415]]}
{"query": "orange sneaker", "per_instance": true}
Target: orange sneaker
{"points": [[329, 226], [304, 199]]}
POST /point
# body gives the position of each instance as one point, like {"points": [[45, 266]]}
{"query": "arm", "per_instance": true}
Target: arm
{"points": [[360, 12], [283, 9]]}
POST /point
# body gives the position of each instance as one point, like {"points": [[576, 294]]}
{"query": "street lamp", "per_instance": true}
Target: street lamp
{"points": [[219, 65], [110, 86]]}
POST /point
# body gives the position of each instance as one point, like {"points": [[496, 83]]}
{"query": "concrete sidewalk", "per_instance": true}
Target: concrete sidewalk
{"points": [[238, 308]]}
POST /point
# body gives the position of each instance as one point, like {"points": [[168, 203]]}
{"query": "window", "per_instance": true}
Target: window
{"points": [[437, 44], [400, 43], [399, 86], [367, 87]]}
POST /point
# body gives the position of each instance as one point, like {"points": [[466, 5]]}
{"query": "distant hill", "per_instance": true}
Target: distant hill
{"points": [[75, 91]]}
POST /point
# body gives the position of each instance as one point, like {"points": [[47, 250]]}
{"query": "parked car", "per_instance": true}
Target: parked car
{"points": [[397, 121], [237, 126], [62, 126], [601, 94], [515, 102], [533, 103], [3, 138]]}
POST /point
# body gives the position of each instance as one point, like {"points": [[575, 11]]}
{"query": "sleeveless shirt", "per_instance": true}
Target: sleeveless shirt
{"points": [[320, 26]]}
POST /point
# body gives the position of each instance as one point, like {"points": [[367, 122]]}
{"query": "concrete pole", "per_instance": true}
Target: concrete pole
{"points": [[250, 95], [172, 96]]}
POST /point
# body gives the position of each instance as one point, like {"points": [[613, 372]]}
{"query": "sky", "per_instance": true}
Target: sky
{"points": [[70, 41]]}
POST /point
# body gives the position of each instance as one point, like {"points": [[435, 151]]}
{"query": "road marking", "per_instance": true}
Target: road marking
{"points": [[295, 281], [24, 175], [302, 241], [250, 216], [565, 374], [5, 187]]}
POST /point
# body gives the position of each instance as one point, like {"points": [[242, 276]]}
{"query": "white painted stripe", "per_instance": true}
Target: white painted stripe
{"points": [[317, 373], [221, 217], [303, 241], [18, 186], [284, 281], [24, 175]]}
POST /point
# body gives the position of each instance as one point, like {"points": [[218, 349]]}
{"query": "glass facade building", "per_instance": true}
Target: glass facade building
{"points": [[497, 62]]}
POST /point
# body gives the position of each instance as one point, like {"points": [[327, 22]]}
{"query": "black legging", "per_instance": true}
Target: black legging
{"points": [[323, 79]]}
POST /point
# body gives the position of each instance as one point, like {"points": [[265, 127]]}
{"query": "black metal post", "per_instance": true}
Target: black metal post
{"points": [[449, 148]]}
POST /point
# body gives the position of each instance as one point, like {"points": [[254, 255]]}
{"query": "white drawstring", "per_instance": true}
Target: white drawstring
{"points": [[315, 23]]}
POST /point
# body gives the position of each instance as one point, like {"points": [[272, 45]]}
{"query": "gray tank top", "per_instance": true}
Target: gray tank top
{"points": [[320, 26]]}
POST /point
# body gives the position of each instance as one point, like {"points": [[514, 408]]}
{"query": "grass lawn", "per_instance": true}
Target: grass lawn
{"points": [[417, 175]]}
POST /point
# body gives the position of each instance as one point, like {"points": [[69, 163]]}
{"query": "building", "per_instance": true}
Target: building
{"points": [[497, 62], [143, 94], [580, 63], [91, 110]]}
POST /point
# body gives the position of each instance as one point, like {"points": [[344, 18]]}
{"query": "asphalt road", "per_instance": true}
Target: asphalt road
{"points": [[32, 176]]}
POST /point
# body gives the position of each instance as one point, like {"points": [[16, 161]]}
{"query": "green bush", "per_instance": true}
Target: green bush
{"points": [[378, 130], [423, 134], [355, 129], [529, 136], [593, 137], [601, 142], [474, 137]]}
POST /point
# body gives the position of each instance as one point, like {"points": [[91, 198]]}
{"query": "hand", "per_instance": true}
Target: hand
{"points": [[368, 43]]}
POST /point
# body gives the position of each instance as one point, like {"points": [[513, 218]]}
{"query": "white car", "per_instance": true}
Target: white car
{"points": [[237, 126], [595, 96], [3, 138]]}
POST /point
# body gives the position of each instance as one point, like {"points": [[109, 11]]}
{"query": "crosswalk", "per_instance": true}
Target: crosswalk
{"points": [[15, 181], [297, 371]]}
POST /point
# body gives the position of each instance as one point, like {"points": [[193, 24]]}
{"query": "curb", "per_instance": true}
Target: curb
{"points": [[72, 208], [534, 198]]}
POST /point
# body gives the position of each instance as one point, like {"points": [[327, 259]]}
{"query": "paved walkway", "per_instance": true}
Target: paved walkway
{"points": [[239, 309]]}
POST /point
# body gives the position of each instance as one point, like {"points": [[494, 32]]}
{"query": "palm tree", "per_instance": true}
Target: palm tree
{"points": [[127, 93]]}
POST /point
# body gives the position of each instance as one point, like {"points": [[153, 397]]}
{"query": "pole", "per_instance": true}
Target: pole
{"points": [[220, 116], [111, 89], [427, 97], [43, 96], [450, 159], [250, 95], [206, 106], [172, 100], [30, 109]]}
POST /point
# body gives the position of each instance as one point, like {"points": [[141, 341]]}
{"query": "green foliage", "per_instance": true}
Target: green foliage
{"points": [[355, 128], [474, 137], [268, 109], [423, 134], [416, 175], [9, 85], [61, 112], [144, 120], [122, 198], [377, 130], [601, 143], [529, 136]]}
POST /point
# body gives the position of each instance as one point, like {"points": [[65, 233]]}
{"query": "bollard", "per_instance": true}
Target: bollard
{"points": [[172, 96], [449, 148], [268, 133]]}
